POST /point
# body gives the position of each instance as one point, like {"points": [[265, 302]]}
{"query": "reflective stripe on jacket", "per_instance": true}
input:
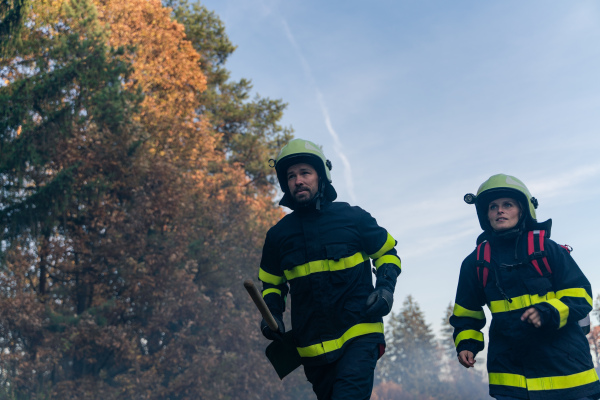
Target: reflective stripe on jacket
{"points": [[550, 362], [324, 258]]}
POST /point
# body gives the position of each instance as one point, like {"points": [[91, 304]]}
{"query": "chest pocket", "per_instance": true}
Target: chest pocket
{"points": [[343, 254], [506, 279], [336, 252], [540, 286], [292, 259], [534, 283]]}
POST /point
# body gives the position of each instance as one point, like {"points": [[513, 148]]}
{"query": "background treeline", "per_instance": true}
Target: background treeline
{"points": [[134, 199]]}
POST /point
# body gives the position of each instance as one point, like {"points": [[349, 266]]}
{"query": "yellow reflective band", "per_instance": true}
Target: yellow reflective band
{"points": [[514, 380], [577, 292], [266, 292], [388, 259], [270, 278], [387, 246], [519, 302], [332, 345], [460, 311], [547, 383], [468, 334], [562, 382], [562, 309], [324, 266]]}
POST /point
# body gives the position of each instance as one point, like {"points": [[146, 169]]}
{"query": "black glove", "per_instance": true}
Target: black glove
{"points": [[379, 303], [271, 334]]}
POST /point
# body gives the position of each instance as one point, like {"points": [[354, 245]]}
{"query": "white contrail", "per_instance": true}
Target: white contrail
{"points": [[337, 144]]}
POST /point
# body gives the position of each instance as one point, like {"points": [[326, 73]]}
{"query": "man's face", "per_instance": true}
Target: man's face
{"points": [[303, 182]]}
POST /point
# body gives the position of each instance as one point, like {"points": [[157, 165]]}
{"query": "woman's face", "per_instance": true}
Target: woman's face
{"points": [[504, 213]]}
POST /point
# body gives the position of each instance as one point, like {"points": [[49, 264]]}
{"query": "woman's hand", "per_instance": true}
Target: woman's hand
{"points": [[466, 358], [532, 316]]}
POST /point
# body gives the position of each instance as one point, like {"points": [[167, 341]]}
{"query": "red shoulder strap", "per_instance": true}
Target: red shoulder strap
{"points": [[483, 261], [568, 248], [535, 250]]}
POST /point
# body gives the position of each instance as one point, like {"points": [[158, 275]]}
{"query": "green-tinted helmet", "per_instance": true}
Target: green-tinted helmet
{"points": [[303, 151], [498, 186]]}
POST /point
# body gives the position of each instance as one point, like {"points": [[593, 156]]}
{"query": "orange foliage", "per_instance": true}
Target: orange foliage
{"points": [[148, 273], [166, 70]]}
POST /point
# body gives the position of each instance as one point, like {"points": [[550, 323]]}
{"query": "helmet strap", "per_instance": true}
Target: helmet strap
{"points": [[320, 194]]}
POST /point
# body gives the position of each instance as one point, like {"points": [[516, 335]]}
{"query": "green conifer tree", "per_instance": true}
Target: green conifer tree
{"points": [[12, 14], [459, 382], [412, 357]]}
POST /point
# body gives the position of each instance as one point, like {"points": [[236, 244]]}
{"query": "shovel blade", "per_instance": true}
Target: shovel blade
{"points": [[283, 355]]}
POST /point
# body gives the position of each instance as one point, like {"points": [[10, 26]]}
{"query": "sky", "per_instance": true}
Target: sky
{"points": [[416, 103]]}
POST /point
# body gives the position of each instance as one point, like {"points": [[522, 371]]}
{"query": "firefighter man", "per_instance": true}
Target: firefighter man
{"points": [[321, 253]]}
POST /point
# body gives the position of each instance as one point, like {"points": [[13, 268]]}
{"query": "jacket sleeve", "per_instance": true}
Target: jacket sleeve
{"points": [[275, 286], [573, 291], [468, 317], [381, 247]]}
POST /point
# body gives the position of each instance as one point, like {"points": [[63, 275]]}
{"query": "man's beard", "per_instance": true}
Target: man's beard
{"points": [[310, 200], [304, 201]]}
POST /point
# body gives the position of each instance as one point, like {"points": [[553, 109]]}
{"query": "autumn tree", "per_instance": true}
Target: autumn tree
{"points": [[411, 359], [128, 219], [229, 210], [249, 126], [68, 149], [250, 135]]}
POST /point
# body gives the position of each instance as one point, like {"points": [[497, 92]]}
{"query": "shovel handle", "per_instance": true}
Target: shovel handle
{"points": [[260, 304]]}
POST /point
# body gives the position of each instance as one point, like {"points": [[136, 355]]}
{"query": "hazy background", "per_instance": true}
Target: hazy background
{"points": [[418, 102]]}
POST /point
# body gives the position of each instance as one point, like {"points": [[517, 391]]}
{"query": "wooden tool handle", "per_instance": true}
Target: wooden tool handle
{"points": [[260, 304]]}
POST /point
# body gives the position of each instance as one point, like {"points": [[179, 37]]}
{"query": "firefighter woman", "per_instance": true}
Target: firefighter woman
{"points": [[537, 296]]}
